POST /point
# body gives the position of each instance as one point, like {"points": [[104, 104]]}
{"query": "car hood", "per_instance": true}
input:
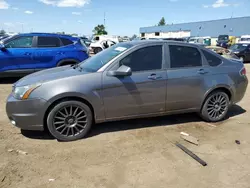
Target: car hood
{"points": [[49, 75]]}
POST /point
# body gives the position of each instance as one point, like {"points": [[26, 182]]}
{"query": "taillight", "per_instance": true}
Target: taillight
{"points": [[243, 71]]}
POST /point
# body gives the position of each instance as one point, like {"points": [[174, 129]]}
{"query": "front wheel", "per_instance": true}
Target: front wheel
{"points": [[215, 107], [69, 120]]}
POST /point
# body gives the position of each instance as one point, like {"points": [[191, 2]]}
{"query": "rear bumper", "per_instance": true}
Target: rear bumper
{"points": [[26, 114]]}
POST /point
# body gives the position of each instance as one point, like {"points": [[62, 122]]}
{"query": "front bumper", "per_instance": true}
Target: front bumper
{"points": [[26, 114]]}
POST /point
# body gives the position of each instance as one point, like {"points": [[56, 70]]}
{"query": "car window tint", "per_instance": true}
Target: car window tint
{"points": [[48, 42], [20, 42], [148, 58], [66, 41], [211, 59], [183, 56]]}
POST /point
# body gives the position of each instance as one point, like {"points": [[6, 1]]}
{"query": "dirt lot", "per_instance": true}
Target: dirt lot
{"points": [[136, 153]]}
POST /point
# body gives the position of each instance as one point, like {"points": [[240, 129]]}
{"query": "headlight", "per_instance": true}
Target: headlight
{"points": [[236, 52], [24, 92]]}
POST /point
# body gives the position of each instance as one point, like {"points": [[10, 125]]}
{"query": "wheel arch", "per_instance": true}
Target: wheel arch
{"points": [[66, 98], [223, 88]]}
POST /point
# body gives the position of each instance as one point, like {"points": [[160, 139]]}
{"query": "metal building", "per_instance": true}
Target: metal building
{"points": [[213, 28]]}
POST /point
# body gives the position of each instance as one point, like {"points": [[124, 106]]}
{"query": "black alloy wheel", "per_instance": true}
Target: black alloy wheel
{"points": [[69, 120], [215, 107]]}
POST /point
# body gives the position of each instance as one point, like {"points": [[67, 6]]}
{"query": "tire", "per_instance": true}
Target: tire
{"points": [[69, 120], [215, 107], [97, 50]]}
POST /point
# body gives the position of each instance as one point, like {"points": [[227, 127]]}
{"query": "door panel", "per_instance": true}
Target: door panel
{"points": [[47, 52], [45, 58], [134, 95], [144, 92], [7, 61], [185, 84], [184, 89], [17, 58], [18, 53]]}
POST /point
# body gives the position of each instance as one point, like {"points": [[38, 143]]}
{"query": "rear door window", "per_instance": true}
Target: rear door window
{"points": [[184, 56], [48, 42], [211, 59], [66, 41]]}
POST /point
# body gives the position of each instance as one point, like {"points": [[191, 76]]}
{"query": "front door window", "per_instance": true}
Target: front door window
{"points": [[20, 42]]}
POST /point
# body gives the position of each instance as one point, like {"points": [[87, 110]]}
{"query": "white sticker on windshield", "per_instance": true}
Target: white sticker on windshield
{"points": [[121, 49]]}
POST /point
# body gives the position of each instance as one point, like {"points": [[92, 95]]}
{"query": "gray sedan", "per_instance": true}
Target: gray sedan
{"points": [[128, 80]]}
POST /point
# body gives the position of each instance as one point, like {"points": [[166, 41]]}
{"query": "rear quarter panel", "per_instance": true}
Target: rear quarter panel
{"points": [[225, 76], [75, 52]]}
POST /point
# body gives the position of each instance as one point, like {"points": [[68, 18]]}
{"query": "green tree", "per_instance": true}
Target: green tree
{"points": [[2, 32], [162, 22], [100, 30]]}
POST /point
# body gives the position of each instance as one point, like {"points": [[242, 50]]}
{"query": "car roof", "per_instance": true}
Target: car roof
{"points": [[50, 35], [145, 42]]}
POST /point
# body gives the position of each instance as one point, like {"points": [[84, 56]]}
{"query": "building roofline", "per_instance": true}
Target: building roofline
{"points": [[197, 22]]}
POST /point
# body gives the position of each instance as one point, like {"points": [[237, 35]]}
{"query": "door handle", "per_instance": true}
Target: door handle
{"points": [[27, 53], [154, 77], [202, 71]]}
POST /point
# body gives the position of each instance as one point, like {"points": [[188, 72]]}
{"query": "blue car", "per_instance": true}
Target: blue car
{"points": [[26, 53]]}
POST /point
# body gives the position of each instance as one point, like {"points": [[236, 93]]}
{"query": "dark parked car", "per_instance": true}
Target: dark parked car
{"points": [[128, 80], [242, 50], [27, 53]]}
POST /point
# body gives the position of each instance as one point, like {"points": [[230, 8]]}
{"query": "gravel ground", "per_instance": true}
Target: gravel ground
{"points": [[135, 153]]}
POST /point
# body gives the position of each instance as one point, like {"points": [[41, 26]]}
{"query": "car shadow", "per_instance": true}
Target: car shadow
{"points": [[235, 110], [168, 120], [136, 124], [38, 135]]}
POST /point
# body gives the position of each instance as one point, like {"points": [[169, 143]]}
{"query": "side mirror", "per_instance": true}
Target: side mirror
{"points": [[121, 71], [2, 47]]}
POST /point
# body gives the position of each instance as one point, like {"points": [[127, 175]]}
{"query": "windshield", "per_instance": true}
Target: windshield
{"points": [[239, 47], [94, 63], [192, 39], [6, 40], [245, 39], [223, 37]]}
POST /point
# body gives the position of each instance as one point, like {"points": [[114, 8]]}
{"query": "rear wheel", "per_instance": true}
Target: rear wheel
{"points": [[215, 107], [69, 120]]}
